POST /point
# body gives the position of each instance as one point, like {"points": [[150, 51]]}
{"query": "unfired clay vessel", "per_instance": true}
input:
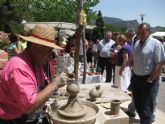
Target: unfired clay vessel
{"points": [[95, 92], [115, 107], [75, 112], [73, 108]]}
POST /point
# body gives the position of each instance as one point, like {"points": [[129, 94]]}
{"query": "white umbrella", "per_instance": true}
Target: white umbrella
{"points": [[162, 34]]}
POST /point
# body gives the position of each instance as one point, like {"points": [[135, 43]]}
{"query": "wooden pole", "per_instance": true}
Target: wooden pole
{"points": [[80, 35], [85, 58], [78, 38]]}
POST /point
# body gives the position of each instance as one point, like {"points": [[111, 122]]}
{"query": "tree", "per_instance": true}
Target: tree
{"points": [[163, 29], [8, 16], [44, 10], [98, 31], [52, 10]]}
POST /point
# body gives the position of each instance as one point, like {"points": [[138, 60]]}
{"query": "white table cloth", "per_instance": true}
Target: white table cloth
{"points": [[91, 79]]}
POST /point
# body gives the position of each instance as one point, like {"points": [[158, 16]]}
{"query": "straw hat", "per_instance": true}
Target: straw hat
{"points": [[42, 34]]}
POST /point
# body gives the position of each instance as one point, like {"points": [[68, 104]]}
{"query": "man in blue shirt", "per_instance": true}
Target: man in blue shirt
{"points": [[148, 59]]}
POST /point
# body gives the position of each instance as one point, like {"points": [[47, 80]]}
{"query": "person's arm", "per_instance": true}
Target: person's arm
{"points": [[159, 60], [131, 61], [43, 96], [98, 53], [125, 60], [98, 50], [18, 45], [46, 93], [86, 44], [156, 72], [16, 49]]}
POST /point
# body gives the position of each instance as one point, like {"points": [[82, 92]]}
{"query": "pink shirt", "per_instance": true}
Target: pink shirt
{"points": [[18, 86]]}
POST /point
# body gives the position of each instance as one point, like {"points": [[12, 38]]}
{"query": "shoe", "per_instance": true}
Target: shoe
{"points": [[153, 118], [130, 114]]}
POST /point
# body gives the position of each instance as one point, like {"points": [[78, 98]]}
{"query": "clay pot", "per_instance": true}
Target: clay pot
{"points": [[115, 107], [73, 88], [95, 92]]}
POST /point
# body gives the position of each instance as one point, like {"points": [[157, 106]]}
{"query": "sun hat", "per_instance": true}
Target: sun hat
{"points": [[42, 34]]}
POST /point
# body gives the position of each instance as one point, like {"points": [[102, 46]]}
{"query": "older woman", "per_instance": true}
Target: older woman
{"points": [[122, 69]]}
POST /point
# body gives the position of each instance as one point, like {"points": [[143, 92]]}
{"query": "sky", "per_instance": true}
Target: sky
{"points": [[153, 10]]}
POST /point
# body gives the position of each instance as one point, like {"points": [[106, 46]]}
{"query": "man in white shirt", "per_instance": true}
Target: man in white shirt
{"points": [[104, 60]]}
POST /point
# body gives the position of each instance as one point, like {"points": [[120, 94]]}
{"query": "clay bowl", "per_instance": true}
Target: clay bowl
{"points": [[88, 118]]}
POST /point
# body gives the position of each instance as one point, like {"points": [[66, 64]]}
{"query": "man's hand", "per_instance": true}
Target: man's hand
{"points": [[149, 81]]}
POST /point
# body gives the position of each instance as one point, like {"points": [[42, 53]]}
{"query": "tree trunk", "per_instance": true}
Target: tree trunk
{"points": [[76, 56], [78, 37], [85, 59], [80, 33]]}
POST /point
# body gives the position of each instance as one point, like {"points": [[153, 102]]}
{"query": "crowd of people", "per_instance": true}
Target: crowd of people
{"points": [[133, 60]]}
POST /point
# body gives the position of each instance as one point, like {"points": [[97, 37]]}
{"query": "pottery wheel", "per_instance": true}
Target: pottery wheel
{"points": [[72, 110]]}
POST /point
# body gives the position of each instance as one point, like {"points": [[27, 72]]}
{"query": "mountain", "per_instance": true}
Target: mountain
{"points": [[157, 28], [111, 20], [121, 23], [117, 22]]}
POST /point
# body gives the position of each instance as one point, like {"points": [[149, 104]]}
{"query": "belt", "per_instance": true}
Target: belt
{"points": [[104, 57], [141, 76]]}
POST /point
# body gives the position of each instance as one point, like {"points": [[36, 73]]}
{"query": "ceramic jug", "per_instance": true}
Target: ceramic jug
{"points": [[95, 92]]}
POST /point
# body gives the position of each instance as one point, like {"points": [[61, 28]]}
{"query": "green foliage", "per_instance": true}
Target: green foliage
{"points": [[99, 20], [43, 11], [163, 29], [51, 10], [90, 13], [98, 31], [7, 15], [115, 28]]}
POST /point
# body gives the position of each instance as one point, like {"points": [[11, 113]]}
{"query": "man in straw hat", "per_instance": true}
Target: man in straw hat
{"points": [[22, 81]]}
